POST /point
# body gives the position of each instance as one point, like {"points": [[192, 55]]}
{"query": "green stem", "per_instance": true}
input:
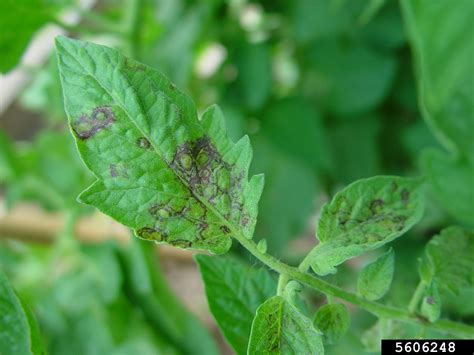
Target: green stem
{"points": [[378, 309], [417, 296], [282, 281], [303, 267]]}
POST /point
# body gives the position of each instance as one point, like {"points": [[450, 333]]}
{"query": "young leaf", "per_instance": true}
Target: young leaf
{"points": [[375, 279], [279, 328], [449, 259], [163, 172], [262, 246], [19, 332], [365, 215], [234, 292], [333, 321], [382, 329], [431, 304]]}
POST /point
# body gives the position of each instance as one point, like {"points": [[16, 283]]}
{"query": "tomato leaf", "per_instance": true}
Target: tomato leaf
{"points": [[449, 259], [375, 278], [234, 292], [19, 331], [364, 216], [278, 327], [171, 177], [333, 321]]}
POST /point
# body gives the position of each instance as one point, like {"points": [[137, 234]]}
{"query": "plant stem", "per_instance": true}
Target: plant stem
{"points": [[380, 310], [303, 267], [417, 296], [282, 281]]}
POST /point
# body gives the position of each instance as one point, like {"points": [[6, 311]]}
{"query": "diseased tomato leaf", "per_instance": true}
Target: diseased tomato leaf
{"points": [[364, 216], [163, 172], [280, 328]]}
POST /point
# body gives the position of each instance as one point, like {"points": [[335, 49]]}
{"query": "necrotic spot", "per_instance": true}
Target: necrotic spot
{"points": [[224, 229], [143, 143], [85, 127], [405, 196], [376, 206]]}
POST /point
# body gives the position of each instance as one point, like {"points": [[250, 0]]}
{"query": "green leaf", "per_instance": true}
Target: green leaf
{"points": [[19, 332], [19, 20], [382, 329], [311, 20], [163, 172], [333, 321], [451, 181], [343, 90], [355, 148], [169, 318], [262, 246], [279, 328], [449, 259], [304, 139], [431, 303], [285, 206], [375, 279], [8, 164], [255, 74], [364, 216], [49, 171], [440, 33], [234, 292]]}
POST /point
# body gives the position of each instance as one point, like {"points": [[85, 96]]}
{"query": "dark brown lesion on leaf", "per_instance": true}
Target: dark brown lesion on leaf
{"points": [[405, 196], [143, 143], [158, 235], [131, 64], [181, 243], [224, 229], [376, 206], [86, 127], [117, 170], [208, 175], [153, 234]]}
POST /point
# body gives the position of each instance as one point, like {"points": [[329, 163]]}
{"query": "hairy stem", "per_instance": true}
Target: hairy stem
{"points": [[417, 296], [380, 310], [282, 281]]}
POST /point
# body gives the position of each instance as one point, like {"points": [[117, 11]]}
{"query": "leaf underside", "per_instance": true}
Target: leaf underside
{"points": [[374, 280], [279, 328], [170, 176], [449, 259]]}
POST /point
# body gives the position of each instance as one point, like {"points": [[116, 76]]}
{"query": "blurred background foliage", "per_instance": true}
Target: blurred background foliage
{"points": [[327, 92]]}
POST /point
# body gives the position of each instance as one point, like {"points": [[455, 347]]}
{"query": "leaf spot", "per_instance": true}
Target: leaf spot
{"points": [[143, 143], [86, 127]]}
